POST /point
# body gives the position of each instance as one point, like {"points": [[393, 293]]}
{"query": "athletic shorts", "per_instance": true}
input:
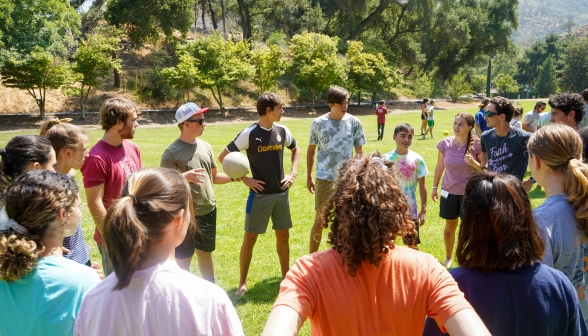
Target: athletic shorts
{"points": [[450, 207], [423, 117], [409, 240], [203, 238], [323, 190], [431, 123], [261, 207]]}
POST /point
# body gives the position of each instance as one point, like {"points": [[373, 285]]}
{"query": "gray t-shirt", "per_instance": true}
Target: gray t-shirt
{"points": [[566, 246], [532, 117], [506, 154], [184, 156], [335, 140]]}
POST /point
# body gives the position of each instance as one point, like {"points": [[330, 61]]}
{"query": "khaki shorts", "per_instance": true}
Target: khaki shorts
{"points": [[323, 189]]}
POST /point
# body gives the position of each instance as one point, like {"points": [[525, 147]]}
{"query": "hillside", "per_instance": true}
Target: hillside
{"points": [[539, 18]]}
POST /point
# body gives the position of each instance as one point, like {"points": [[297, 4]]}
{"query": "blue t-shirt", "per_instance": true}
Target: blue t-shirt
{"points": [[530, 300], [45, 301], [481, 121]]}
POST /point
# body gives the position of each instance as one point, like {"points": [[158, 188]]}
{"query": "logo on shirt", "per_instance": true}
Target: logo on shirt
{"points": [[261, 149], [127, 166], [259, 139], [279, 138]]}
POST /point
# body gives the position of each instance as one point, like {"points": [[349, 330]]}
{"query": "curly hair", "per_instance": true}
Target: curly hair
{"points": [[33, 200], [366, 212], [567, 102], [503, 106]]}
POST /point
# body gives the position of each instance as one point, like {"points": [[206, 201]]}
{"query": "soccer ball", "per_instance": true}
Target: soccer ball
{"points": [[236, 165]]}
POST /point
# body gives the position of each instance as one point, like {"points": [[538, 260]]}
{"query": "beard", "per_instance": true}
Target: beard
{"points": [[127, 132]]}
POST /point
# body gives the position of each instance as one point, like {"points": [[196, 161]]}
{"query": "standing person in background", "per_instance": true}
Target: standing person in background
{"points": [[555, 161], [149, 294], [544, 119], [40, 290], [499, 248], [195, 159], [584, 96], [381, 112], [337, 135], [568, 109], [515, 121], [410, 171], [430, 118], [70, 143], [481, 125], [459, 157], [424, 106], [365, 284], [532, 117], [264, 143], [109, 164]]}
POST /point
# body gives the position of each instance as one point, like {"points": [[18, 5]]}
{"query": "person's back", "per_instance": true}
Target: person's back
{"points": [[160, 300]]}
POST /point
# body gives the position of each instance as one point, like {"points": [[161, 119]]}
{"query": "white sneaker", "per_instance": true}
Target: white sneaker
{"points": [[423, 137]]}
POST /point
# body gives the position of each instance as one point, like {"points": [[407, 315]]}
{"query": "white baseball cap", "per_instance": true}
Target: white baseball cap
{"points": [[187, 110]]}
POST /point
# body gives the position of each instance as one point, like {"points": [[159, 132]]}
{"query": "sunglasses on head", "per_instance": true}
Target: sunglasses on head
{"points": [[490, 114], [200, 121]]}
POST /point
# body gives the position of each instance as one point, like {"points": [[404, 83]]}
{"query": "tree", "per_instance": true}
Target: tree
{"points": [[184, 76], [36, 72], [315, 63], [367, 71], [422, 86], [93, 60], [143, 20], [219, 62], [575, 72], [547, 81], [269, 64], [567, 26], [478, 83], [506, 85], [457, 87]]}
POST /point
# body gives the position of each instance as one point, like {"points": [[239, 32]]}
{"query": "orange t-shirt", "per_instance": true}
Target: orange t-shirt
{"points": [[392, 299]]}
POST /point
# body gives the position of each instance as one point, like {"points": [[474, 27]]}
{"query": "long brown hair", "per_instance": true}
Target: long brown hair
{"points": [[366, 212], [497, 231], [560, 148], [153, 198], [62, 134], [472, 137], [19, 153]]}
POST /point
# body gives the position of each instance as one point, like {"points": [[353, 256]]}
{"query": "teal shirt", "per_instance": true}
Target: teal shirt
{"points": [[45, 301]]}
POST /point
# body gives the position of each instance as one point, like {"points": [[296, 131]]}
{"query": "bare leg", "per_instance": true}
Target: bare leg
{"points": [[283, 249], [430, 130], [449, 239], [184, 263], [316, 234], [245, 261], [205, 265]]}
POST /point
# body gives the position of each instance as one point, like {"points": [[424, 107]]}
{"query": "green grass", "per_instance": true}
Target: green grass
{"points": [[264, 275]]}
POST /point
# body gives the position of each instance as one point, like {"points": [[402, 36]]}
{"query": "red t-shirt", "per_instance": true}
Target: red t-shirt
{"points": [[110, 165], [391, 299], [381, 112]]}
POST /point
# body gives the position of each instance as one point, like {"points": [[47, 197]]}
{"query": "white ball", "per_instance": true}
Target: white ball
{"points": [[236, 165]]}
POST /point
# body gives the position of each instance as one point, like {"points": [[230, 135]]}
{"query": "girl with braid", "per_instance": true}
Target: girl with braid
{"points": [[459, 159], [555, 159]]}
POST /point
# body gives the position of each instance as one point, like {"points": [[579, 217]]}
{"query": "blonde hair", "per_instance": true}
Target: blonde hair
{"points": [[560, 148], [62, 134]]}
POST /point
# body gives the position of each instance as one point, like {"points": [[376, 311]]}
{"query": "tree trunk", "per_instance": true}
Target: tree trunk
{"points": [[312, 100], [212, 15], [82, 104], [224, 18], [488, 78], [116, 74], [195, 16], [358, 97], [373, 15], [245, 19], [203, 14]]}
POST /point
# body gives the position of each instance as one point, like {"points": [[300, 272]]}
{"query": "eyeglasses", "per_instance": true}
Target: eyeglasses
{"points": [[490, 114], [200, 121]]}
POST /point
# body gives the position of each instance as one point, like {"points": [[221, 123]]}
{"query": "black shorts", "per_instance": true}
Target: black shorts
{"points": [[423, 117], [203, 238], [409, 239], [450, 207]]}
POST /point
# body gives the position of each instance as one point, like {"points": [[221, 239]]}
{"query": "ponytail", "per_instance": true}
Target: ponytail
{"points": [[62, 134], [19, 255], [576, 186]]}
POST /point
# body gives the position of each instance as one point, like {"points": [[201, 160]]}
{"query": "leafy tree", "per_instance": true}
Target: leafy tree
{"points": [[478, 83], [269, 64], [367, 71], [219, 63], [530, 63], [315, 63], [36, 72], [50, 24], [184, 76], [422, 85], [92, 61], [547, 81], [506, 85], [143, 20], [567, 26], [575, 72], [457, 87]]}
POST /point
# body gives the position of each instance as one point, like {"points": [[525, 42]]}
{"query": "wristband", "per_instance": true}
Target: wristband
{"points": [[435, 187]]}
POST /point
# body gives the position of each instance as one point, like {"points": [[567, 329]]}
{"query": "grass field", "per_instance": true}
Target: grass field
{"points": [[264, 275]]}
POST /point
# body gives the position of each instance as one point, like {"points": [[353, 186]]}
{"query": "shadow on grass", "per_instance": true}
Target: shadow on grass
{"points": [[537, 193], [265, 292]]}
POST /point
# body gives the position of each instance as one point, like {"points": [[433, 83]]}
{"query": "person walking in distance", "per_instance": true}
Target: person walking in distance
{"points": [[381, 112]]}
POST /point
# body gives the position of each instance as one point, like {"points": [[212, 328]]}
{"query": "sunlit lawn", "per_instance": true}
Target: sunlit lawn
{"points": [[264, 275]]}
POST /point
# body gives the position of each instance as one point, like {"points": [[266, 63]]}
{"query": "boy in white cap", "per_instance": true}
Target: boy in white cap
{"points": [[195, 159]]}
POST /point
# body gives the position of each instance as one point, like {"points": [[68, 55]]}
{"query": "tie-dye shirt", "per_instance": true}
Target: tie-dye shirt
{"points": [[335, 140], [408, 169]]}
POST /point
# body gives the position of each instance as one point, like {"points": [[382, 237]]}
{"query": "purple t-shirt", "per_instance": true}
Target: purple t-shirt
{"points": [[457, 172]]}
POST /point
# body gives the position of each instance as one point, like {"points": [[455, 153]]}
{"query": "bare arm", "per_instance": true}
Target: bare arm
{"points": [[483, 157], [309, 165], [466, 322], [526, 127], [478, 130], [255, 185], [358, 150], [423, 194], [439, 169], [290, 178], [222, 155], [283, 321], [469, 159], [94, 198], [219, 178]]}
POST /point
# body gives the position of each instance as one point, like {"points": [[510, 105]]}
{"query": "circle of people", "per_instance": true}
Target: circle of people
{"points": [[522, 270]]}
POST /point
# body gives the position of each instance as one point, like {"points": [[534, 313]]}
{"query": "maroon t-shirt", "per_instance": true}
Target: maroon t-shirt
{"points": [[381, 112], [110, 165]]}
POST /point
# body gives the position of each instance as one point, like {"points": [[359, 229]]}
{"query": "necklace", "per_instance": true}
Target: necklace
{"points": [[457, 145], [504, 139]]}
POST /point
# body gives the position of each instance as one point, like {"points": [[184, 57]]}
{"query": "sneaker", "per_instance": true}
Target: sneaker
{"points": [[447, 263], [423, 137]]}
